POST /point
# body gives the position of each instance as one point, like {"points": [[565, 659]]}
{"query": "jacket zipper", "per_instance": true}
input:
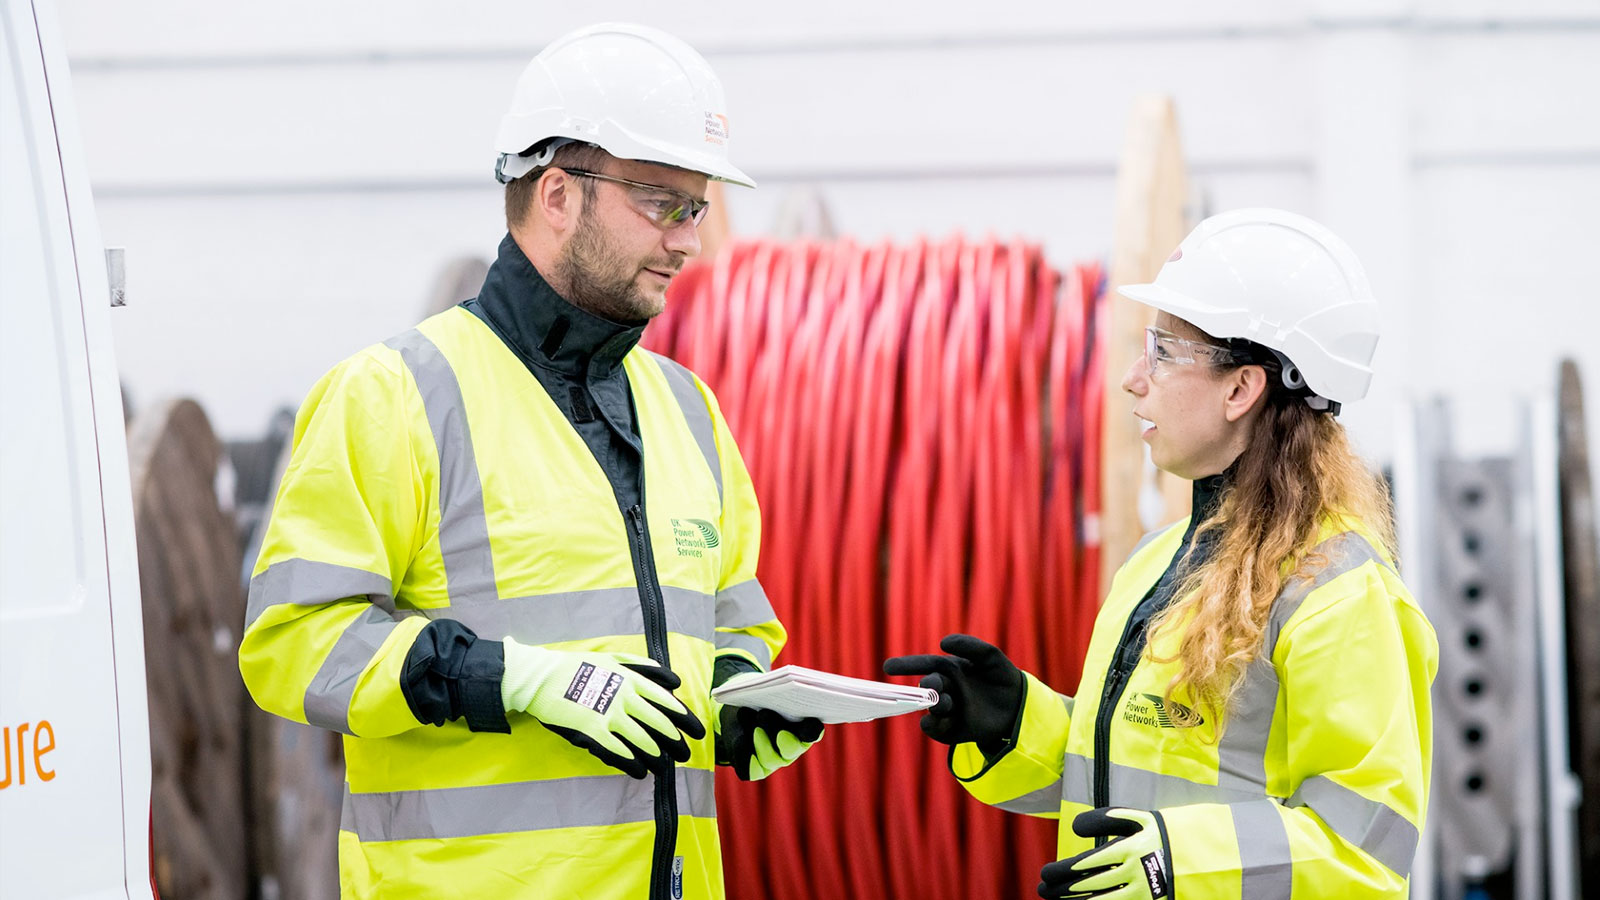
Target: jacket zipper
{"points": [[655, 637], [1110, 699]]}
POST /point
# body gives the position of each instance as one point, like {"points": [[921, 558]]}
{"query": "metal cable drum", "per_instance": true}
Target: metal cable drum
{"points": [[188, 578], [296, 772], [918, 421], [1581, 565], [1475, 538]]}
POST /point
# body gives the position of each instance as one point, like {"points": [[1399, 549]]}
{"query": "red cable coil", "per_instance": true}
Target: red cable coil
{"points": [[922, 427]]}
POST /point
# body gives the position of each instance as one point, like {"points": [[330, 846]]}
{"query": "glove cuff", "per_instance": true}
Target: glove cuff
{"points": [[523, 676]]}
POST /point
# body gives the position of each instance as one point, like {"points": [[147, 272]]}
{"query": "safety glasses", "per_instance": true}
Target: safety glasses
{"points": [[663, 206], [1162, 348]]}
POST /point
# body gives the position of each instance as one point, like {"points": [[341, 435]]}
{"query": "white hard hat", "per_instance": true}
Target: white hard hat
{"points": [[1284, 282], [635, 92]]}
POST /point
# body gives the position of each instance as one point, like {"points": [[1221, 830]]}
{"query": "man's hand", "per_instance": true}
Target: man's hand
{"points": [[758, 742], [1136, 865], [617, 706], [980, 691]]}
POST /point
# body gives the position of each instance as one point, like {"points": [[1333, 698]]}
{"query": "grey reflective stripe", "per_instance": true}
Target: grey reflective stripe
{"points": [[749, 643], [1345, 552], [327, 698], [1042, 801], [310, 583], [1141, 789], [1077, 779], [463, 526], [743, 605], [1145, 541], [580, 615], [587, 801], [695, 412], [1267, 868], [1368, 824], [1242, 752]]}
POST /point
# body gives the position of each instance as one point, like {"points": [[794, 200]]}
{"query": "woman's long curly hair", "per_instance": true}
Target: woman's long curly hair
{"points": [[1297, 472]]}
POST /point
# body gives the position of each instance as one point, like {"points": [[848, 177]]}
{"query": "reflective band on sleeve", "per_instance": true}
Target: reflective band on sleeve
{"points": [[581, 615], [587, 801], [743, 605], [311, 583], [756, 647], [1042, 801], [695, 412], [327, 698], [1372, 826], [463, 526], [1264, 859]]}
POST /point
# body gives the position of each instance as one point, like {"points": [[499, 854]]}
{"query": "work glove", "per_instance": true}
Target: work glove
{"points": [[980, 692], [617, 706], [1135, 865], [758, 742]]}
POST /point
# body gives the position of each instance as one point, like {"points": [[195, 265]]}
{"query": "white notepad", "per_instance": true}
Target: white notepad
{"points": [[799, 692]]}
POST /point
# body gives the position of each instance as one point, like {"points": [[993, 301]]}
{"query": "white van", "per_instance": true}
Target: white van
{"points": [[75, 766]]}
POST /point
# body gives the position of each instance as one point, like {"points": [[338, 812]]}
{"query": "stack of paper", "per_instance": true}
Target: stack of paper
{"points": [[799, 692]]}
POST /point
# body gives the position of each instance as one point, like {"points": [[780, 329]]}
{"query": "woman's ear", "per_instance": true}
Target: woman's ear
{"points": [[1246, 386]]}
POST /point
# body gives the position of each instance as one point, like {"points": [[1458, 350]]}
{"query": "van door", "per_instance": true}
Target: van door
{"points": [[69, 786]]}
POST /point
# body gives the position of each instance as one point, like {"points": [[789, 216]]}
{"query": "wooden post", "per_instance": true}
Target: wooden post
{"points": [[1149, 223], [714, 230]]}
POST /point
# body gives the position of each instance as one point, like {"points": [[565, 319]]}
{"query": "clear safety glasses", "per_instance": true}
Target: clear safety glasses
{"points": [[1163, 349], [663, 206]]}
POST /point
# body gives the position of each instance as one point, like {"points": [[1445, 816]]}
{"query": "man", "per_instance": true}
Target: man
{"points": [[512, 553]]}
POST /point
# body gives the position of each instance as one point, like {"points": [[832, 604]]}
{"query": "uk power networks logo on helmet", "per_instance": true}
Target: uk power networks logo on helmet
{"points": [[716, 128], [1152, 710], [694, 537]]}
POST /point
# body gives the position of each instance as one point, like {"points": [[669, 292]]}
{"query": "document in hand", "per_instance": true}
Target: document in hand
{"points": [[799, 692]]}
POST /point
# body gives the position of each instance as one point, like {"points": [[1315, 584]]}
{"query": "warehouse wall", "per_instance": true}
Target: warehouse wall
{"points": [[289, 178]]}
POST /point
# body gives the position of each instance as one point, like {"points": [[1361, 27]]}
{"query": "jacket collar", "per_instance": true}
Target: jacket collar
{"points": [[1207, 495], [543, 327]]}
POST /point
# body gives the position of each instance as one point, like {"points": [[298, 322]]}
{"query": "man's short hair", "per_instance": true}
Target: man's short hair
{"points": [[519, 191]]}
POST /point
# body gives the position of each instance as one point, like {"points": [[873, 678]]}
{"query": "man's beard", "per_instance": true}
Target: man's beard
{"points": [[594, 277]]}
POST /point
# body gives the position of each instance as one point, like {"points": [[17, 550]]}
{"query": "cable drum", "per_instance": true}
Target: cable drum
{"points": [[922, 425]]}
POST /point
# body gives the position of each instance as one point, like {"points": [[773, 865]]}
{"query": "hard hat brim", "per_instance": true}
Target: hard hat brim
{"points": [[1167, 300]]}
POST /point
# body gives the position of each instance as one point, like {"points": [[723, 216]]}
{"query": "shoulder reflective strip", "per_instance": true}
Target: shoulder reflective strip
{"points": [[1374, 827], [463, 526], [1345, 552], [1264, 860], [1242, 752], [580, 615], [744, 604], [1141, 789], [1042, 801], [695, 412], [1145, 541], [327, 698], [1070, 703], [505, 809], [309, 583], [749, 643]]}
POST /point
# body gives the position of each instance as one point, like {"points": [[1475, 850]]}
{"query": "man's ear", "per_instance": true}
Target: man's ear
{"points": [[1246, 386], [557, 200]]}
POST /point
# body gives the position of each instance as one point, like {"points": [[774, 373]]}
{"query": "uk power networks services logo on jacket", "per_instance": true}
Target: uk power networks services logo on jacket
{"points": [[694, 536], [1152, 710]]}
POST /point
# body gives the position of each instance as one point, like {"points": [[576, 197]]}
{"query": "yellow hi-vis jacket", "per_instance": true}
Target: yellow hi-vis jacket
{"points": [[433, 477], [1318, 784]]}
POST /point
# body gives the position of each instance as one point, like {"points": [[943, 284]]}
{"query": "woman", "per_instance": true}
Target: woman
{"points": [[1253, 719]]}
